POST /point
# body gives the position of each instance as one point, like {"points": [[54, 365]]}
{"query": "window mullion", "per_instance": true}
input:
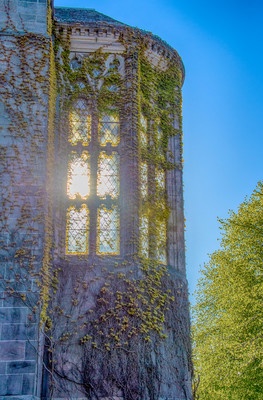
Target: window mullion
{"points": [[93, 201]]}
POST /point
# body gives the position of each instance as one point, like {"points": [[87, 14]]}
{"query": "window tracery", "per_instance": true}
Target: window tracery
{"points": [[93, 177]]}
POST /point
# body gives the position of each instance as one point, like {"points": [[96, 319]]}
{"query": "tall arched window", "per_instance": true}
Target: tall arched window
{"points": [[93, 176]]}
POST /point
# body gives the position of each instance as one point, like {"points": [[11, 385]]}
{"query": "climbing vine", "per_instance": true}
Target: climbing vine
{"points": [[120, 309]]}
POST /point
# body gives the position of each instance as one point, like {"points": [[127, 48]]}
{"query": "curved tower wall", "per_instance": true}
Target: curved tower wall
{"points": [[121, 329]]}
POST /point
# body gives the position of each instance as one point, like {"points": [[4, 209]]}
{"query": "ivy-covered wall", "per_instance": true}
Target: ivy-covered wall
{"points": [[119, 325], [26, 133]]}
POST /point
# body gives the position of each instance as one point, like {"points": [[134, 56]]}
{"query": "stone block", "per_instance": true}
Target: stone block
{"points": [[37, 28], [19, 331], [13, 315], [31, 350], [31, 6], [10, 385], [28, 384], [2, 367], [12, 350], [20, 367], [13, 300], [39, 19], [28, 17]]}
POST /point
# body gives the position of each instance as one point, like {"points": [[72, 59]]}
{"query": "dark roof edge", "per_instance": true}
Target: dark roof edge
{"points": [[112, 23]]}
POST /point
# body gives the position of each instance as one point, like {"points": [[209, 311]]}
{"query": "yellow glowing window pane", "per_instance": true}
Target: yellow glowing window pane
{"points": [[144, 236], [143, 130], [109, 130], [77, 230], [160, 179], [161, 243], [108, 175], [108, 231], [80, 123], [144, 179], [78, 182]]}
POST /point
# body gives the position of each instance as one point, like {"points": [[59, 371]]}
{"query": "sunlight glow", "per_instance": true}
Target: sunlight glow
{"points": [[78, 184], [144, 236], [144, 179]]}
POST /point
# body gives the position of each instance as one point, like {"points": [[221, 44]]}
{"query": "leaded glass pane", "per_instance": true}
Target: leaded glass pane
{"points": [[143, 130], [108, 231], [161, 242], [144, 236], [108, 175], [144, 179], [80, 123], [78, 182], [160, 179], [159, 132], [109, 130], [77, 230], [160, 139]]}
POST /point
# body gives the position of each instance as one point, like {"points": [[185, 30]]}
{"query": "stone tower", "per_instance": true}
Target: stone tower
{"points": [[94, 294]]}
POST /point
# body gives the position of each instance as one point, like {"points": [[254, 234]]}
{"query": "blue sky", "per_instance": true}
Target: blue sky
{"points": [[221, 44]]}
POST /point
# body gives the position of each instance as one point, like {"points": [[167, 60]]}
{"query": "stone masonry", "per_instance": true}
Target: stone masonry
{"points": [[24, 99]]}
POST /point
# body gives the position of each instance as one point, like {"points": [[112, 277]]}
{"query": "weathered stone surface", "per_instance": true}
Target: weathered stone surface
{"points": [[14, 350], [10, 385], [21, 15], [13, 315], [31, 350], [19, 331], [20, 367], [2, 367], [28, 384]]}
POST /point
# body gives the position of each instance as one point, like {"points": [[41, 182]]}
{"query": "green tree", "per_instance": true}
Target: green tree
{"points": [[228, 316]]}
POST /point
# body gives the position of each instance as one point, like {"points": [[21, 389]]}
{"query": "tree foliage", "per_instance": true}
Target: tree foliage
{"points": [[228, 316]]}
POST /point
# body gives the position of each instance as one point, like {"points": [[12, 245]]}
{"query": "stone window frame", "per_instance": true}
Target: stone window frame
{"points": [[93, 202]]}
